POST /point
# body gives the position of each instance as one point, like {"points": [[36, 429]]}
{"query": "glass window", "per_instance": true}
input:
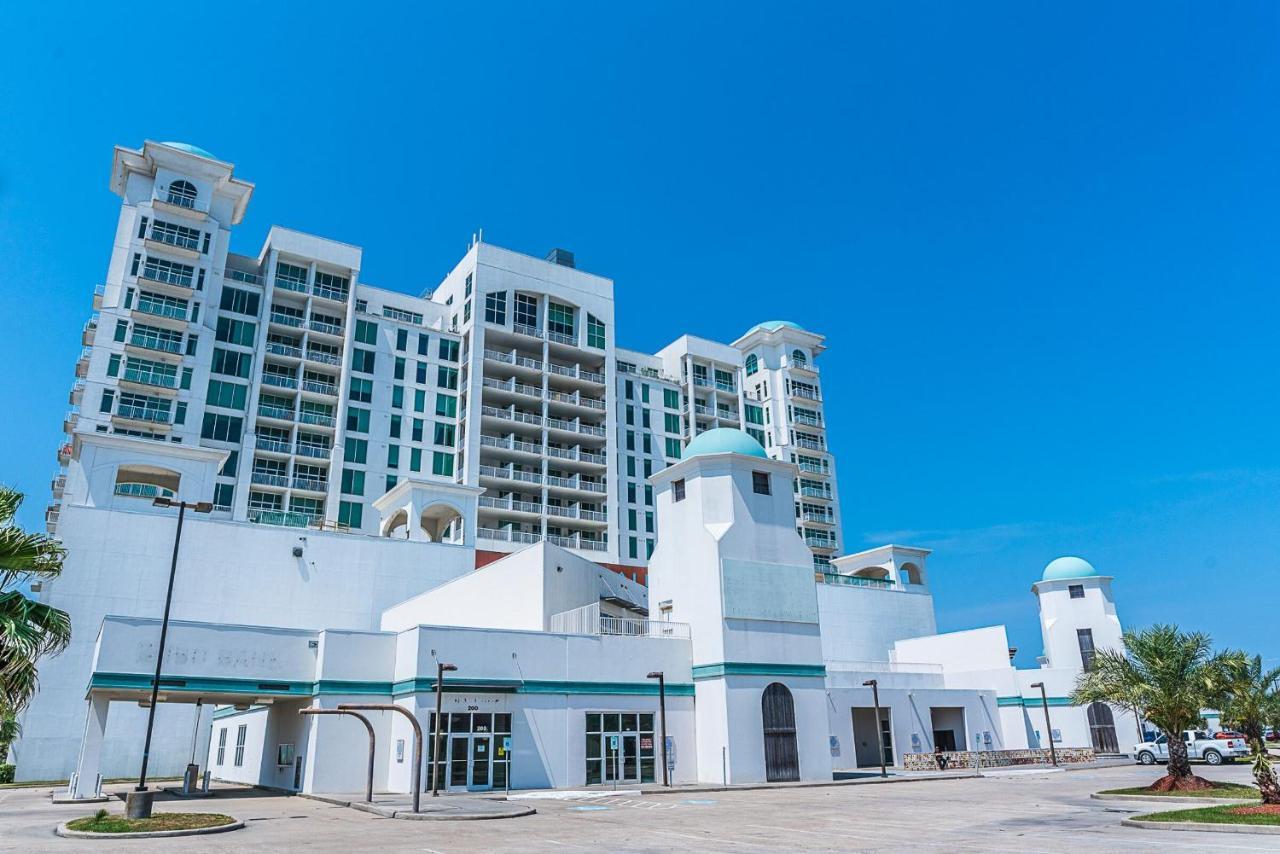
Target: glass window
{"points": [[447, 405], [595, 333], [677, 490], [366, 332], [753, 364], [760, 482], [526, 310], [448, 350], [560, 319], [495, 308]]}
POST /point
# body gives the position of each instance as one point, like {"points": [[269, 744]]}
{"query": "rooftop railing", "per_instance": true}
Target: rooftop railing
{"points": [[588, 620]]}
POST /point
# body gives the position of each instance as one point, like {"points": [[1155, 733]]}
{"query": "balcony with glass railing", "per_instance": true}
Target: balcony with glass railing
{"points": [[180, 276], [175, 236], [803, 392], [526, 330], [854, 580], [285, 319], [511, 415], [588, 620], [819, 541], [510, 444], [285, 518], [811, 468], [148, 341], [285, 283], [160, 308], [307, 449], [311, 484], [143, 413], [314, 355], [274, 446], [807, 420], [810, 444], [318, 419], [814, 492], [562, 338], [820, 518], [270, 478], [143, 490], [320, 388], [279, 413], [325, 328], [510, 505], [289, 351], [149, 377], [330, 293], [279, 380], [501, 473], [508, 536]]}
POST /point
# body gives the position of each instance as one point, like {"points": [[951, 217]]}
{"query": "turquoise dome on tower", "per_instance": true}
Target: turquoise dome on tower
{"points": [[774, 326], [1063, 568], [724, 440], [190, 149]]}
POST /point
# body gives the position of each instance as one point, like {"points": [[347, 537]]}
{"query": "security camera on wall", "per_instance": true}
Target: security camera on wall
{"points": [[297, 551]]}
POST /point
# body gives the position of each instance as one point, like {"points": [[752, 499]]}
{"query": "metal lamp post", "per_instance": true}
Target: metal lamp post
{"points": [[874, 685], [662, 716], [199, 507], [436, 762], [1044, 698]]}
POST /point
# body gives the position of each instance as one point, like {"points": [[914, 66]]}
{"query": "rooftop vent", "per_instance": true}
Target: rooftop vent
{"points": [[563, 257]]}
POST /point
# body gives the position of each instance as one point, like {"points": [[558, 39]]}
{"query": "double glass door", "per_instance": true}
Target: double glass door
{"points": [[619, 747], [474, 755]]}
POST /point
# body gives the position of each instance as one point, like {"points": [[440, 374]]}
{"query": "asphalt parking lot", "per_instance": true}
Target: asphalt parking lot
{"points": [[1013, 812]]}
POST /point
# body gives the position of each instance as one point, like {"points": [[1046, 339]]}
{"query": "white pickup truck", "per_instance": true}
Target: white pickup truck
{"points": [[1200, 745]]}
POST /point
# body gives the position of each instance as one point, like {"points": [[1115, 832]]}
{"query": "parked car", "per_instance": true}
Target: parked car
{"points": [[1227, 733], [1271, 734], [1200, 746]]}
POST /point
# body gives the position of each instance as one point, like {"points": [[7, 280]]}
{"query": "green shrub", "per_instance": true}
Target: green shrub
{"points": [[6, 773]]}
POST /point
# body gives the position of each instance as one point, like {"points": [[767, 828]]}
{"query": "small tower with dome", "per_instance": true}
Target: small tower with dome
{"points": [[1077, 613], [730, 564]]}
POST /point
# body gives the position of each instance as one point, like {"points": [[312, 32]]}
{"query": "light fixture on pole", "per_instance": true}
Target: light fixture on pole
{"points": [[1044, 698], [874, 685], [436, 761], [662, 716], [143, 804]]}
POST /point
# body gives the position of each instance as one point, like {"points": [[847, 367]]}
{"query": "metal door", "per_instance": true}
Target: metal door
{"points": [[781, 755]]}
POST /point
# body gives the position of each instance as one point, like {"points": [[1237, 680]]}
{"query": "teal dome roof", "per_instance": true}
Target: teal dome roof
{"points": [[190, 149], [724, 440], [1068, 567], [774, 326]]}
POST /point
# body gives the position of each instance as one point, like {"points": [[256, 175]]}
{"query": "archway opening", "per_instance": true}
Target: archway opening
{"points": [[442, 523]]}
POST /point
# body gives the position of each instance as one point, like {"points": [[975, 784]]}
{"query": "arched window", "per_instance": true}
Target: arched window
{"points": [[909, 573], [753, 364], [182, 193], [798, 358]]}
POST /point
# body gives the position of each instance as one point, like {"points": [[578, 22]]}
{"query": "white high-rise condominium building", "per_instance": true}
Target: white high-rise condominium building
{"points": [[327, 391]]}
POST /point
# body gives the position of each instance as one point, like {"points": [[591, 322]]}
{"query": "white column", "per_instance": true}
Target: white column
{"points": [[95, 727]]}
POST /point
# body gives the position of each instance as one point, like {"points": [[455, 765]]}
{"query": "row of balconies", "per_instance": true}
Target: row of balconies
{"points": [[718, 385], [522, 417], [280, 413], [513, 444], [283, 481], [514, 505], [305, 449], [506, 535], [289, 351], [575, 483]]}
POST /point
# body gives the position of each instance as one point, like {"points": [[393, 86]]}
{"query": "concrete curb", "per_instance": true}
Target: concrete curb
{"points": [[62, 830], [101, 799], [1174, 800], [393, 812], [1201, 826]]}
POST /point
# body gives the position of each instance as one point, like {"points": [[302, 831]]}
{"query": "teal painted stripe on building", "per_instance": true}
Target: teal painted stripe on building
{"points": [[201, 685], [207, 685], [1032, 702], [537, 686], [344, 686], [746, 668]]}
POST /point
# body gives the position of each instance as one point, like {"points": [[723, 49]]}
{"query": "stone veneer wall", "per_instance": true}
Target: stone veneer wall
{"points": [[961, 759]]}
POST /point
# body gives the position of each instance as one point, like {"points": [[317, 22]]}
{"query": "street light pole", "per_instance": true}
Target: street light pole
{"points": [[662, 716], [436, 761], [1044, 698], [874, 684], [198, 507]]}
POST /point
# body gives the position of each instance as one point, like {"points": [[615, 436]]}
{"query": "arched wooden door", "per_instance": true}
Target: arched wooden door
{"points": [[781, 756], [1102, 729]]}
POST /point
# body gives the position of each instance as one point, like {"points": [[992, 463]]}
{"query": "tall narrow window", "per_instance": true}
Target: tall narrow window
{"points": [[183, 194], [1087, 652], [760, 483], [595, 332]]}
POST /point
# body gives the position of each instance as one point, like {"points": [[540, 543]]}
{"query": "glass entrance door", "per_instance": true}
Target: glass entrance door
{"points": [[474, 755], [481, 755]]}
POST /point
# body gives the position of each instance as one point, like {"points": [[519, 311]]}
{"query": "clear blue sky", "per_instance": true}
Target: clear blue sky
{"points": [[1041, 239]]}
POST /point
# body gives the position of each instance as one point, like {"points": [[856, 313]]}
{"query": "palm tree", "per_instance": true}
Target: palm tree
{"points": [[1253, 699], [1169, 676], [28, 629]]}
